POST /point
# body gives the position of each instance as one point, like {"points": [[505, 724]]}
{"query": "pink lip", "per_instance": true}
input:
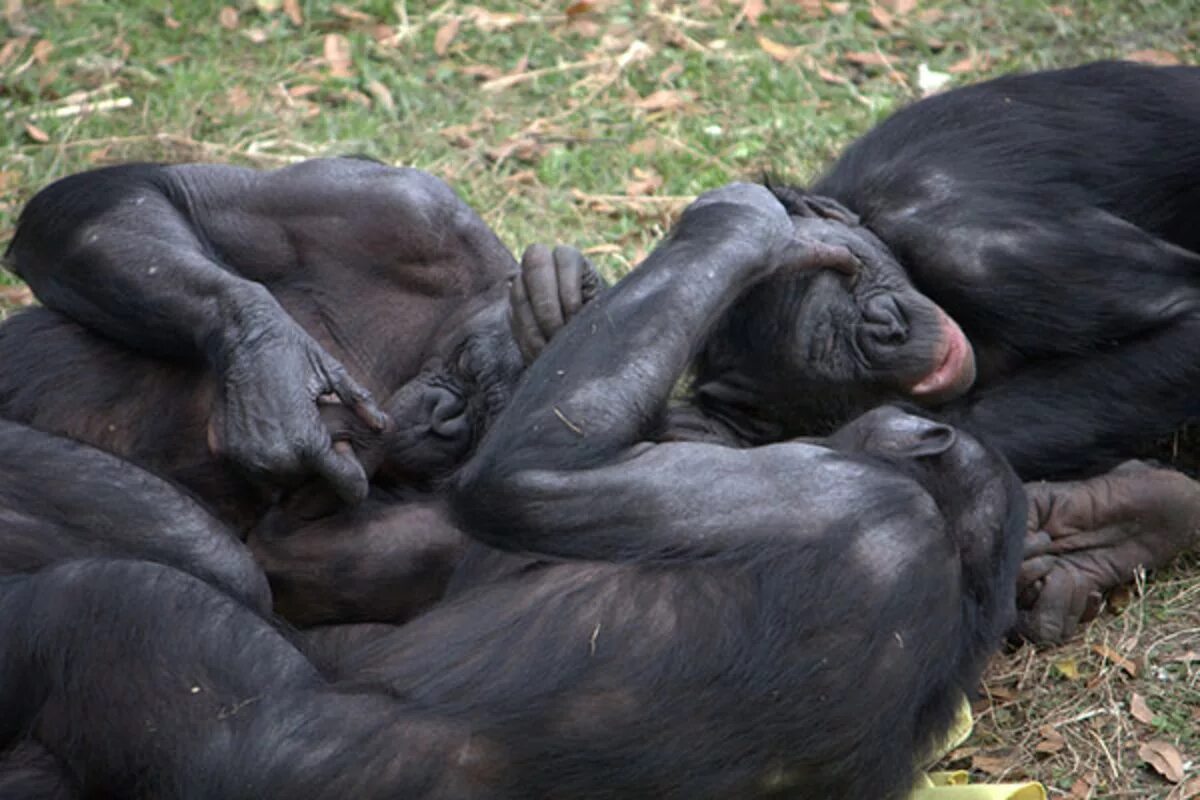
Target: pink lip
{"points": [[956, 368]]}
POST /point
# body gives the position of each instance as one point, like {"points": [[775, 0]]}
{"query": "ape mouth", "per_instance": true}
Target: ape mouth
{"points": [[955, 370]]}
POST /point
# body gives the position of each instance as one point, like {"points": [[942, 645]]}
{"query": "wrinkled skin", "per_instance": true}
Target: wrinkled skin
{"points": [[277, 342], [1072, 272], [1087, 537], [702, 621]]}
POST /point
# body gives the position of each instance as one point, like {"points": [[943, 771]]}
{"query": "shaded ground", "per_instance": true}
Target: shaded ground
{"points": [[593, 123]]}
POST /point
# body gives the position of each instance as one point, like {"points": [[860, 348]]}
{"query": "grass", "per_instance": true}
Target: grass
{"points": [[617, 113]]}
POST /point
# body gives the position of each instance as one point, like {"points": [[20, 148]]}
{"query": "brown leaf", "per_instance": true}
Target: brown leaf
{"points": [[238, 99], [665, 100], [780, 52], [579, 8], [445, 35], [972, 63], [488, 21], [995, 762], [170, 61], [1164, 758], [382, 95], [303, 90], [1052, 741], [15, 296], [294, 13], [170, 21], [482, 72], [899, 7], [256, 35], [931, 15], [832, 77], [459, 135], [837, 8], [867, 59], [1191, 789], [228, 17], [1062, 10], [354, 15], [752, 10], [883, 17], [522, 147], [1139, 710], [12, 49], [1121, 661], [1160, 57], [42, 51], [1082, 788], [36, 133], [337, 55], [1190, 655], [644, 182]]}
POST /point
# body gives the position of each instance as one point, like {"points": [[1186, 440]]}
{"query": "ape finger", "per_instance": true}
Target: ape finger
{"points": [[538, 272], [813, 254], [342, 471], [524, 327], [356, 397], [570, 266]]}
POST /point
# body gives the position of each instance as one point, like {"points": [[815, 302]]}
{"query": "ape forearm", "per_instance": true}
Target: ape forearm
{"points": [[115, 250]]}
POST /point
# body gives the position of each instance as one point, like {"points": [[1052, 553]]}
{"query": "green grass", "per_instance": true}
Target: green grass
{"points": [[199, 91]]}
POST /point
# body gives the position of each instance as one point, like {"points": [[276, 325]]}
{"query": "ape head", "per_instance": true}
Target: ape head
{"points": [[471, 366], [803, 352]]}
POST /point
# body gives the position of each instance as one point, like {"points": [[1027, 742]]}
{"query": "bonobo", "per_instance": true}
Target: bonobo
{"points": [[1043, 287], [197, 310]]}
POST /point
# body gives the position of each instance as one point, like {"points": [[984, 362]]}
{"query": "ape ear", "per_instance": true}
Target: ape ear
{"points": [[802, 203]]}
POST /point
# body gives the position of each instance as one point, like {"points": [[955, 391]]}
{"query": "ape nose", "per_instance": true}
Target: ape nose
{"points": [[884, 321], [445, 411], [912, 436]]}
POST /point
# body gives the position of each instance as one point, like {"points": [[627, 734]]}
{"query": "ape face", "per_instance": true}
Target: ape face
{"points": [[813, 349], [471, 366]]}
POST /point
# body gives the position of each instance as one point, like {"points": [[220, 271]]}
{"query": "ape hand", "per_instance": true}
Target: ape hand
{"points": [[1086, 537], [267, 420], [552, 287]]}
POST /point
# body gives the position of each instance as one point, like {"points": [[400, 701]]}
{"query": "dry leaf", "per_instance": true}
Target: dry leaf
{"points": [[382, 95], [445, 35], [780, 52], [899, 7], [482, 72], [1063, 11], [1191, 789], [1082, 788], [837, 8], [1160, 57], [867, 59], [170, 21], [579, 8], [267, 6], [354, 15], [12, 48], [931, 15], [883, 18], [995, 762], [256, 35], [1121, 661], [170, 61], [238, 99], [292, 9], [228, 17], [1139, 710], [337, 54], [752, 10], [36, 133], [488, 21], [303, 90], [16, 296], [42, 51], [522, 147], [1190, 655], [972, 63], [832, 77], [644, 182], [1052, 741], [1164, 758], [1067, 668], [524, 177], [665, 100], [459, 135]]}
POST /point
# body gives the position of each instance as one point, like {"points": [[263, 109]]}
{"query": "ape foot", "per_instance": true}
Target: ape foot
{"points": [[1087, 537]]}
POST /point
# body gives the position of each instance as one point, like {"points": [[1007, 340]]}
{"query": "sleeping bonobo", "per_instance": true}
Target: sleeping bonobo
{"points": [[1033, 275], [793, 620], [197, 310]]}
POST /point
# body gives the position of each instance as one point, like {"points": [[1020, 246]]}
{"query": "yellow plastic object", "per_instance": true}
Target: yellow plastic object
{"points": [[956, 786]]}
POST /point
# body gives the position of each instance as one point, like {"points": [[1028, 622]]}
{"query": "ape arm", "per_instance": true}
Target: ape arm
{"points": [[124, 251], [567, 470]]}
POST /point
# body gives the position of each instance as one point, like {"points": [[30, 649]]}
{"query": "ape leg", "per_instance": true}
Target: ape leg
{"points": [[1086, 537], [62, 500], [385, 560], [145, 682]]}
